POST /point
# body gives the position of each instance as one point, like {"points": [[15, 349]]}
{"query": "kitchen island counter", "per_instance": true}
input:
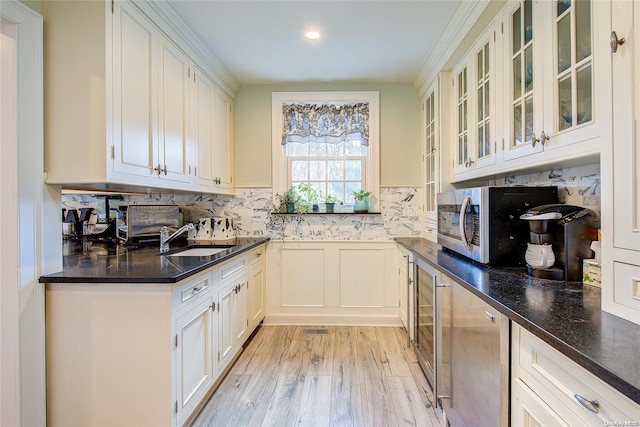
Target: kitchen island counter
{"points": [[92, 262], [566, 315]]}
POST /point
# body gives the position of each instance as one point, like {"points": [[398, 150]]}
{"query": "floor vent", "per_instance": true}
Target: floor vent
{"points": [[315, 331]]}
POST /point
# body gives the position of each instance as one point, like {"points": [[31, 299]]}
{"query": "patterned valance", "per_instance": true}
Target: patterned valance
{"points": [[326, 123]]}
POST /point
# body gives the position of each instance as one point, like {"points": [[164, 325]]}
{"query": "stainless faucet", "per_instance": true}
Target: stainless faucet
{"points": [[165, 238]]}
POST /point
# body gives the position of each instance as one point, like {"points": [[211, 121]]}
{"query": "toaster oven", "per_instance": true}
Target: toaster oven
{"points": [[141, 223]]}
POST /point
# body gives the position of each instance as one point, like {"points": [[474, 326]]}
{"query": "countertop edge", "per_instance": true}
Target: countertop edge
{"points": [[215, 259]]}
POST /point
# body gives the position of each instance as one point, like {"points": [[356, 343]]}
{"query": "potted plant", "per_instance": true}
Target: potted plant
{"points": [[330, 202], [309, 195], [361, 204]]}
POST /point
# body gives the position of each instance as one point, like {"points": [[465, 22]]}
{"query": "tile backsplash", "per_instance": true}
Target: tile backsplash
{"points": [[401, 207]]}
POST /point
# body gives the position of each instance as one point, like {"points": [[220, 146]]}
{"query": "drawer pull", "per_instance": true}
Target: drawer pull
{"points": [[591, 405], [490, 317], [197, 289]]}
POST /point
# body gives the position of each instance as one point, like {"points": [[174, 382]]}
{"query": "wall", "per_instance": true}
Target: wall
{"points": [[400, 146]]}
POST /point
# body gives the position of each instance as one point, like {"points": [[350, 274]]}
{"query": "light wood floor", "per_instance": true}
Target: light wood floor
{"points": [[352, 376]]}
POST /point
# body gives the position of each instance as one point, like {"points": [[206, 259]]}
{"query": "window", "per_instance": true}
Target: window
{"points": [[332, 166]]}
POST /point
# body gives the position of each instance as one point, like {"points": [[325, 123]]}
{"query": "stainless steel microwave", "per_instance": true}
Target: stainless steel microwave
{"points": [[483, 223]]}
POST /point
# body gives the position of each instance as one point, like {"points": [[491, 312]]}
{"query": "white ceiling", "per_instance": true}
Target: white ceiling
{"points": [[263, 42]]}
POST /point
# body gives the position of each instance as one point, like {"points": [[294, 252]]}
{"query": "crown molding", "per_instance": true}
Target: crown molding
{"points": [[464, 18], [205, 57]]}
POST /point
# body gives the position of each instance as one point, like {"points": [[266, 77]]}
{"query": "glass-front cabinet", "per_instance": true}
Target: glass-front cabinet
{"points": [[474, 108], [435, 129], [551, 62]]}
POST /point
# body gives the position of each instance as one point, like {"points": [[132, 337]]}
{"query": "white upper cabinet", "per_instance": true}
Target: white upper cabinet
{"points": [[202, 129], [524, 86], [474, 108], [173, 101], [119, 105], [223, 141], [212, 135], [621, 170], [435, 130], [135, 115], [552, 63]]}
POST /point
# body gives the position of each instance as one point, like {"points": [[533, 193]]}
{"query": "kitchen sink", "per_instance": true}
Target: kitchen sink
{"points": [[200, 251]]}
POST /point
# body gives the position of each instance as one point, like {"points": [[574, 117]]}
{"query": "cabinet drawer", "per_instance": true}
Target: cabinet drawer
{"points": [[258, 254], [561, 383], [235, 266], [192, 291], [626, 278]]}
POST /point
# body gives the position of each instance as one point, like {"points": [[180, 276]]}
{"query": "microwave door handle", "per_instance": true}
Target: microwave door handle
{"points": [[463, 214]]}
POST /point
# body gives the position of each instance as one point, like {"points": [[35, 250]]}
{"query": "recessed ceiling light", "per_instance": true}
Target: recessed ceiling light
{"points": [[313, 35]]}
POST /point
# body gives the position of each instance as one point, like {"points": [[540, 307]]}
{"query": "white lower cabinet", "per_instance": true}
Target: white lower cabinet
{"points": [[257, 283], [405, 289], [548, 389], [143, 353], [196, 368], [233, 318]]}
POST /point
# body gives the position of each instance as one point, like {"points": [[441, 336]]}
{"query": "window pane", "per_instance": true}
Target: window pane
{"points": [[334, 150], [299, 170], [517, 37], [565, 120], [296, 149], [583, 29], [353, 148], [336, 189], [335, 169], [584, 95], [564, 43], [353, 169], [563, 5], [528, 16], [317, 170], [517, 124], [517, 77], [528, 63], [528, 119], [350, 188]]}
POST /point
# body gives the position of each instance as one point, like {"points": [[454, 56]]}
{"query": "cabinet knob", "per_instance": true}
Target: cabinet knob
{"points": [[614, 42], [543, 137]]}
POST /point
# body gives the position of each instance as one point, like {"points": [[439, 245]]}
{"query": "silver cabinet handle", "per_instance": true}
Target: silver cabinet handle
{"points": [[490, 317], [614, 42], [213, 306], [591, 405]]}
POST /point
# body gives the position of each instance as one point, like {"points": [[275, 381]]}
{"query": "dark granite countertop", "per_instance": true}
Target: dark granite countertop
{"points": [[96, 262], [566, 315]]}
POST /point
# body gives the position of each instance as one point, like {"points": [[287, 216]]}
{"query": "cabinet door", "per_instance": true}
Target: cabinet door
{"points": [[222, 140], [194, 356], [626, 131], [257, 283], [527, 409], [475, 107], [174, 114], [523, 57], [241, 312], [226, 313], [135, 126], [202, 129]]}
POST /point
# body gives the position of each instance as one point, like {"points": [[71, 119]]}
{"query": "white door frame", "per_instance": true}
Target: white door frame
{"points": [[29, 213]]}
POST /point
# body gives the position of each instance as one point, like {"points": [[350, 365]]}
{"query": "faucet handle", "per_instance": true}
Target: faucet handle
{"points": [[164, 237]]}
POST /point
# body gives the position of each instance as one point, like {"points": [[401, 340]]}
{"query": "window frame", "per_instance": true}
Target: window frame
{"points": [[279, 167]]}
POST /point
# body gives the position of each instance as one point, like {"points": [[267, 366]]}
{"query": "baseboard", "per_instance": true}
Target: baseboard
{"points": [[331, 320]]}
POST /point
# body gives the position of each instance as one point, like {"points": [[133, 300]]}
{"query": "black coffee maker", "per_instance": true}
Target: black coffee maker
{"points": [[569, 230]]}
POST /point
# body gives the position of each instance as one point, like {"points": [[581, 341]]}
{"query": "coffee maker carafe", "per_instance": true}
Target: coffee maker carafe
{"points": [[561, 237]]}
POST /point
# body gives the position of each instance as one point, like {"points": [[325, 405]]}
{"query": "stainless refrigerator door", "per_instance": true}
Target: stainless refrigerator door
{"points": [[479, 358]]}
